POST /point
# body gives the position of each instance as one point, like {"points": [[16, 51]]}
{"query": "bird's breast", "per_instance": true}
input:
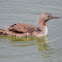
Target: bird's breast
{"points": [[45, 30]]}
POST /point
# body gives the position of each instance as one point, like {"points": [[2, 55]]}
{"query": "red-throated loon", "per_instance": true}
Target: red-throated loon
{"points": [[22, 30]]}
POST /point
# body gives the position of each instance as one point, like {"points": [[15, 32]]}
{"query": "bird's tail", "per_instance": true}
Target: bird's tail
{"points": [[1, 31]]}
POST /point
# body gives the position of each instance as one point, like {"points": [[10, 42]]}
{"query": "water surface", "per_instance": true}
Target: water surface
{"points": [[44, 49]]}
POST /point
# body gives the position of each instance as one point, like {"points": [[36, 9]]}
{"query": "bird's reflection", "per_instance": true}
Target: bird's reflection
{"points": [[43, 47], [27, 41]]}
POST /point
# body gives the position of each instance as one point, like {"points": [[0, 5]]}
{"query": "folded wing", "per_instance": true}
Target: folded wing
{"points": [[22, 28]]}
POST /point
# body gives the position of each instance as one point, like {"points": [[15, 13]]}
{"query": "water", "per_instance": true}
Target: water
{"points": [[31, 49]]}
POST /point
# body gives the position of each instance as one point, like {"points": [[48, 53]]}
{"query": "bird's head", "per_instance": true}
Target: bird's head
{"points": [[43, 18]]}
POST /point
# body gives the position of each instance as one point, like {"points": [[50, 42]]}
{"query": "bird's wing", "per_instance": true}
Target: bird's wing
{"points": [[21, 27]]}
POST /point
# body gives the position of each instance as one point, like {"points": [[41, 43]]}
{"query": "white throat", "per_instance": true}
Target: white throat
{"points": [[45, 30]]}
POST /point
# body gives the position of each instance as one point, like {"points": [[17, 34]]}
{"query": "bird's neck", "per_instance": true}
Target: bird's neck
{"points": [[42, 26], [41, 23]]}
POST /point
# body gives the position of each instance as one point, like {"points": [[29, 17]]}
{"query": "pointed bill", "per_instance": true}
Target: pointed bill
{"points": [[56, 17]]}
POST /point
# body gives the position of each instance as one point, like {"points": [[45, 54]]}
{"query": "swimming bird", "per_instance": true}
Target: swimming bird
{"points": [[28, 30]]}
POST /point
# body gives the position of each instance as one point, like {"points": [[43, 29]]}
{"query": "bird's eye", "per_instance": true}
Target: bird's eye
{"points": [[48, 16]]}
